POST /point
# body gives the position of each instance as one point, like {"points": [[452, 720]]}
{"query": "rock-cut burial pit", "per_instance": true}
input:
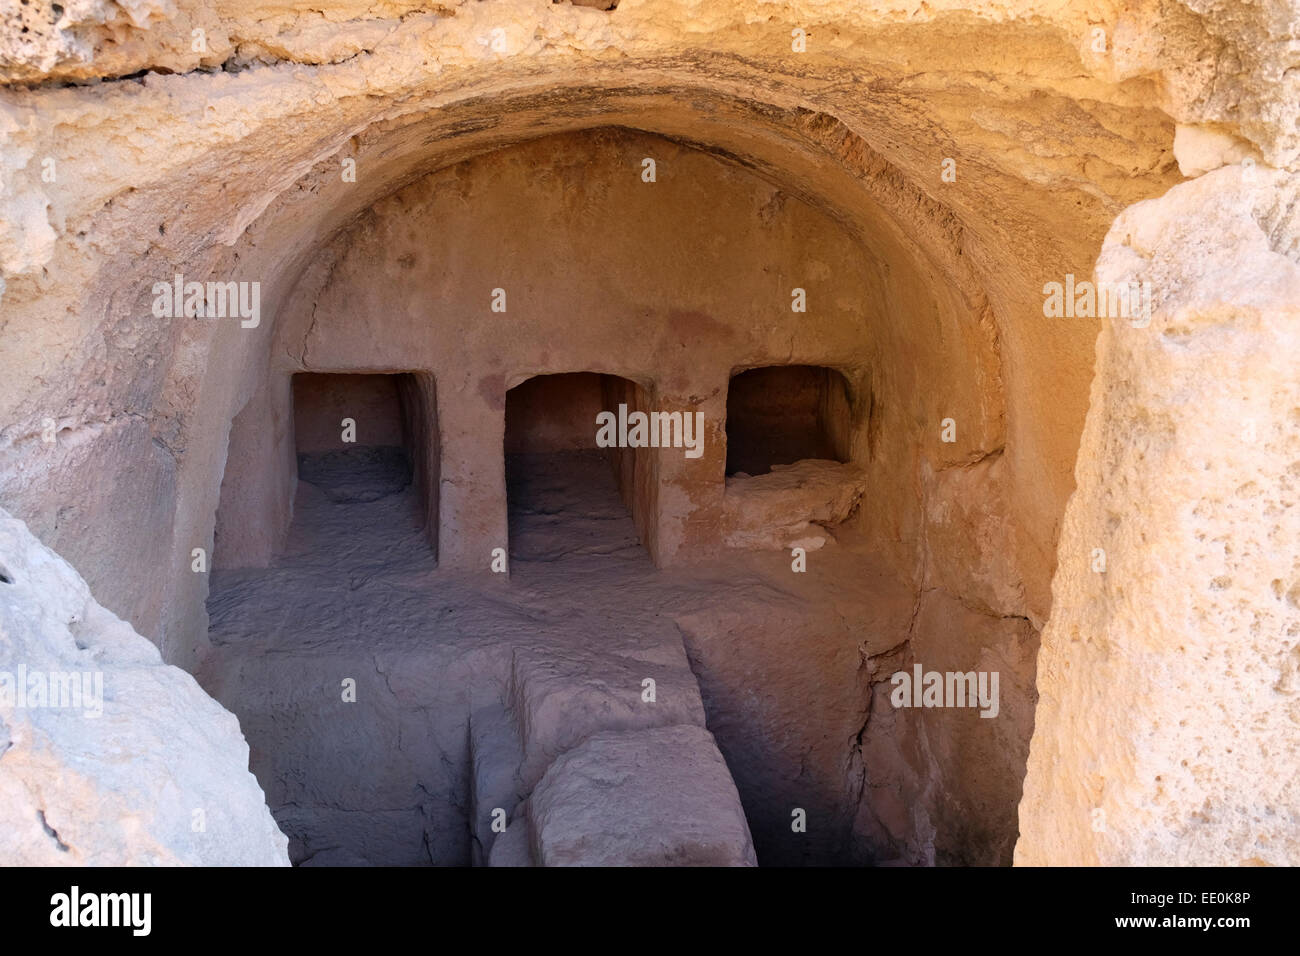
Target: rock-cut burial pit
{"points": [[529, 434]]}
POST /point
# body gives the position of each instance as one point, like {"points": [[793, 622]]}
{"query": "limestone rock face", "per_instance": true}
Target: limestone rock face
{"points": [[1169, 692], [108, 757], [1200, 149]]}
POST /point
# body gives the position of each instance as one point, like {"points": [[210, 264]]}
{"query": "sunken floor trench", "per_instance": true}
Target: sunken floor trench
{"points": [[392, 707]]}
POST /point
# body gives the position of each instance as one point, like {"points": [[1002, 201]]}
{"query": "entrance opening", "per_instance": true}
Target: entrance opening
{"points": [[392, 708], [781, 414], [566, 495], [361, 438]]}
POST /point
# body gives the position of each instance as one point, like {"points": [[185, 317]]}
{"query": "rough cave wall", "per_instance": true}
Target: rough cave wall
{"points": [[423, 434], [679, 302], [258, 481], [553, 413], [321, 402], [230, 168]]}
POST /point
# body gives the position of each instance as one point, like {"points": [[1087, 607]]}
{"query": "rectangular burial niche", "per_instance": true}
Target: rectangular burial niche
{"points": [[781, 414], [360, 438], [565, 495]]}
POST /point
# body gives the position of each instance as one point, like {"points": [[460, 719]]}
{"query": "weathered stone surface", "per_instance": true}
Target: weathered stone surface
{"points": [[512, 848], [496, 756], [141, 767], [781, 665], [1169, 705], [791, 504], [1200, 149], [565, 695], [659, 797], [979, 753], [970, 536]]}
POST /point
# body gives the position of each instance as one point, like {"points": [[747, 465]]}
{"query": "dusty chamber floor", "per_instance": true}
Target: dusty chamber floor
{"points": [[468, 686], [566, 504]]}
